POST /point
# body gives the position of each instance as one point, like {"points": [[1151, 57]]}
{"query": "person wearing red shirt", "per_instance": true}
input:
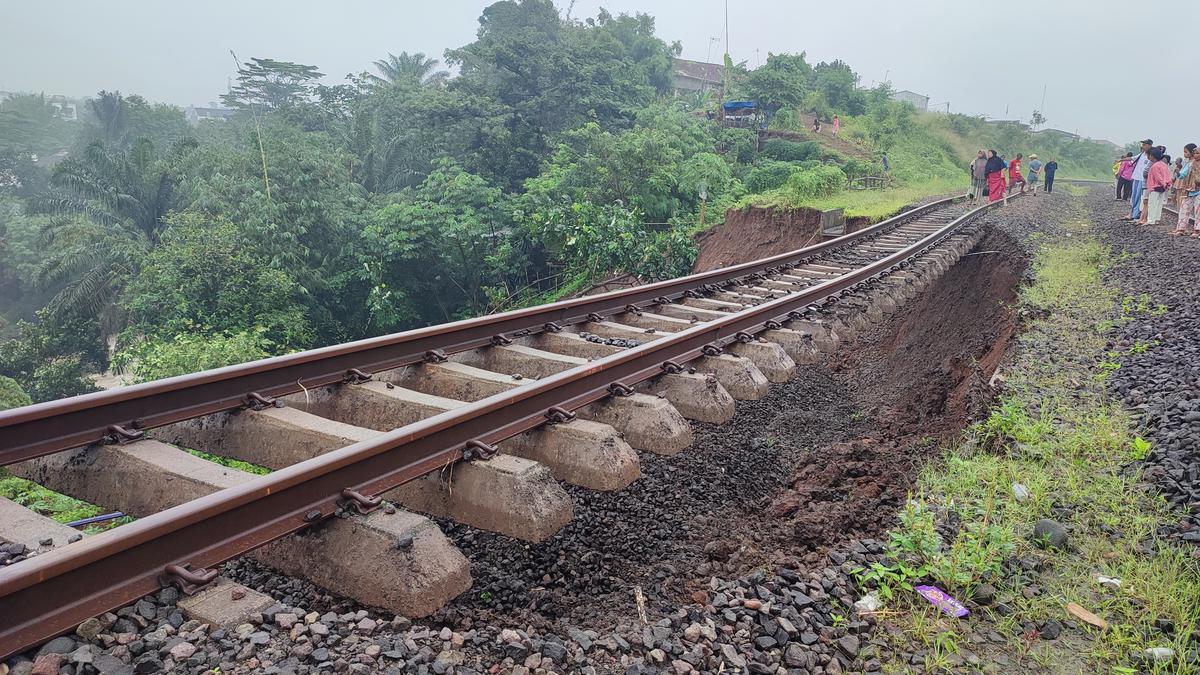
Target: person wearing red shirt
{"points": [[1014, 173]]}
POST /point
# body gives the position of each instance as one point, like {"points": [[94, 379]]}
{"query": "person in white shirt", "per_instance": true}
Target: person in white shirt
{"points": [[1139, 179]]}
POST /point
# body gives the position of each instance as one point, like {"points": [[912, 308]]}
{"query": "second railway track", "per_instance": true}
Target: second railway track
{"points": [[563, 392]]}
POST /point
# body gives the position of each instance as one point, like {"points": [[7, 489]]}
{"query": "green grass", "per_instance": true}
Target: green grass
{"points": [[873, 204], [879, 204], [1057, 433], [57, 507], [232, 463]]}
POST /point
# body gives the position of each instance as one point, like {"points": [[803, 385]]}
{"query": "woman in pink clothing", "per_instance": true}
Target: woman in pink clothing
{"points": [[1158, 181], [837, 124], [1125, 178]]}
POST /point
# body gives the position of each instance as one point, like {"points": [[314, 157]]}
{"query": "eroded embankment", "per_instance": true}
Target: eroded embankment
{"points": [[823, 461]]}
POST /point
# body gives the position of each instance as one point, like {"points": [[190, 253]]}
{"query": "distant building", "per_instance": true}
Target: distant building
{"points": [[917, 100], [692, 76], [196, 115], [67, 107]]}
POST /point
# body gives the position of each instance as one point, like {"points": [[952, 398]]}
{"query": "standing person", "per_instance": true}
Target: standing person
{"points": [[978, 175], [1184, 185], [1050, 168], [1014, 173], [816, 125], [837, 124], [887, 166], [1158, 181], [994, 170], [1035, 168], [1191, 191], [1116, 169], [1138, 178], [1125, 178]]}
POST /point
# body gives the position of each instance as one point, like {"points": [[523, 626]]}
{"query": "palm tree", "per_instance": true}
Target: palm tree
{"points": [[124, 195], [405, 67], [109, 108]]}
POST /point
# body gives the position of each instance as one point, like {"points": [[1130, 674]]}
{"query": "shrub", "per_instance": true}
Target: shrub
{"points": [[155, 358], [790, 151], [768, 175], [855, 167], [820, 181], [11, 394]]}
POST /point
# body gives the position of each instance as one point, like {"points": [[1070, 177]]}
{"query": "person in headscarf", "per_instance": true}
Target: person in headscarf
{"points": [[1185, 184], [978, 175], [994, 170]]}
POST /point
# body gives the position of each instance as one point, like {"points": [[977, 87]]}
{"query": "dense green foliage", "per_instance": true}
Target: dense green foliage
{"points": [[320, 213], [11, 394]]}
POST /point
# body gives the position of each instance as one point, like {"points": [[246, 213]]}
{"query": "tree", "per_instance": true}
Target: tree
{"points": [[124, 196], [781, 82], [552, 76], [110, 111], [209, 277], [431, 251], [51, 358], [837, 82], [1037, 119], [406, 67], [30, 125], [273, 85]]}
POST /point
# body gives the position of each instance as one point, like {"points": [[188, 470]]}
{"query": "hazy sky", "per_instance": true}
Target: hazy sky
{"points": [[982, 58]]}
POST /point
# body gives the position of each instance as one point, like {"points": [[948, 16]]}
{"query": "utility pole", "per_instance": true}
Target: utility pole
{"points": [[1042, 108], [726, 27], [725, 67]]}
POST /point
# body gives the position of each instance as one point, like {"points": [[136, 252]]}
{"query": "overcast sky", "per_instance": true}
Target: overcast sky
{"points": [[982, 58]]}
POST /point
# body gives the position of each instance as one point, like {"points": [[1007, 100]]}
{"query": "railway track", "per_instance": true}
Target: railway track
{"points": [[476, 420]]}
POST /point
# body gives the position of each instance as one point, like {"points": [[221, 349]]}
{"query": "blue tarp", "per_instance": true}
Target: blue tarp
{"points": [[731, 106]]}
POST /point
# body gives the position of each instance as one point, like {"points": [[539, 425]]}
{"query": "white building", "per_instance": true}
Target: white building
{"points": [[918, 101]]}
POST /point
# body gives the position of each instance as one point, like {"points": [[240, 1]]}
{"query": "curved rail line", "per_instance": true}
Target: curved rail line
{"points": [[126, 412], [52, 592]]}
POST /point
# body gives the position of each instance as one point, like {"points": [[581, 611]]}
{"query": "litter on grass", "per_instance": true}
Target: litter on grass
{"points": [[942, 600]]}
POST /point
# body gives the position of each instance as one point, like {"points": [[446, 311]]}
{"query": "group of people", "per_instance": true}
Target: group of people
{"points": [[988, 175], [815, 127], [1149, 182]]}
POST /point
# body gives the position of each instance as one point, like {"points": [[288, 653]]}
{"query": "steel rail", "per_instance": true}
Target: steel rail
{"points": [[123, 413], [50, 593]]}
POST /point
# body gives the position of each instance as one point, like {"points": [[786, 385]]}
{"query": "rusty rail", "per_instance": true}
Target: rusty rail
{"points": [[124, 413], [48, 594]]}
